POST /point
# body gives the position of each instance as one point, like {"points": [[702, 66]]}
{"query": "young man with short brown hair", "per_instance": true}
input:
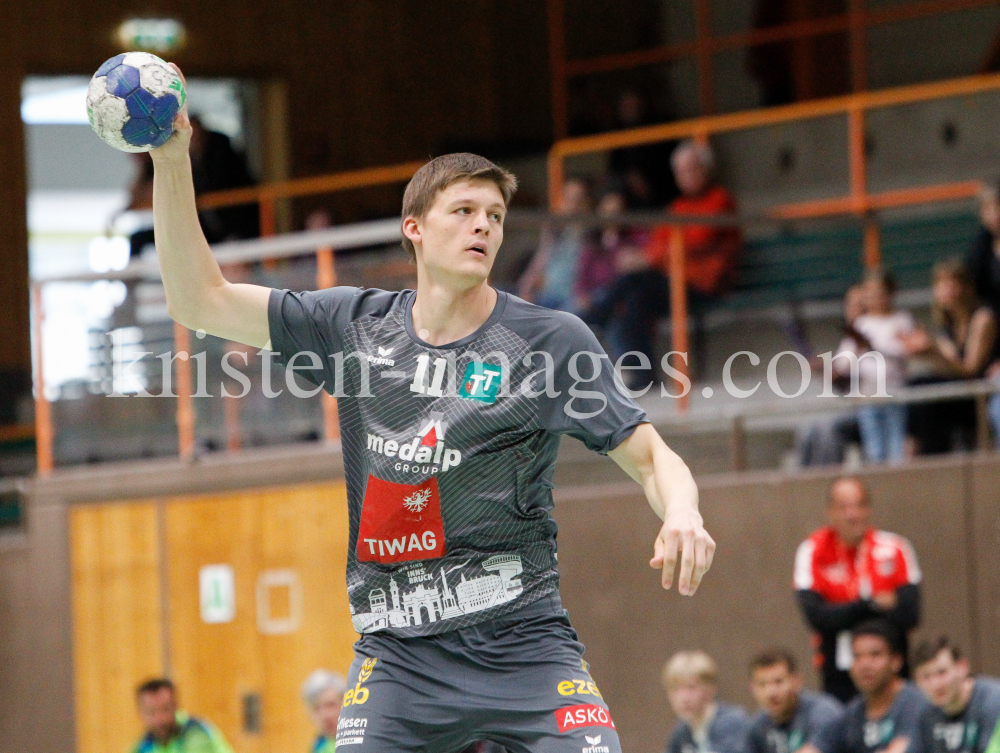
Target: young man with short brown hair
{"points": [[452, 400], [791, 718], [965, 709]]}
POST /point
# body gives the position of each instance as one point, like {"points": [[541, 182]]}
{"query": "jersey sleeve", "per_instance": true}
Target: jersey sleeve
{"points": [[803, 574], [587, 402], [909, 569], [993, 746], [757, 737], [824, 719], [909, 718], [833, 738], [313, 324]]}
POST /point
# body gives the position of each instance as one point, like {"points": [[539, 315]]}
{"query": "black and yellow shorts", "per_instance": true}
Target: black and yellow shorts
{"points": [[519, 681]]}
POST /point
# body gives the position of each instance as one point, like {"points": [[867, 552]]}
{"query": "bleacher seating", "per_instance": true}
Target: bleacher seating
{"points": [[819, 265]]}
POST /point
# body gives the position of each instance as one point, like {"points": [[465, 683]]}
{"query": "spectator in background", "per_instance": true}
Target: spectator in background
{"points": [[710, 251], [641, 295], [705, 725], [323, 693], [883, 330], [965, 709], [169, 730], [886, 715], [551, 276], [848, 572], [216, 166], [823, 441], [615, 251], [643, 171], [965, 345], [983, 260], [791, 719]]}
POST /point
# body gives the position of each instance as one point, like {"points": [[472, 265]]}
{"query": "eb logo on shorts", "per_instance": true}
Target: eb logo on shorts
{"points": [[359, 695], [584, 715]]}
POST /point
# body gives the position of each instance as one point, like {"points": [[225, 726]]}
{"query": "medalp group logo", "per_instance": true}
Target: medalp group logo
{"points": [[426, 453]]}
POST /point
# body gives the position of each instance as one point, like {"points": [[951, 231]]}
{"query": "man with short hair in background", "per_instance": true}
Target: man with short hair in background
{"points": [[704, 724], [885, 716], [170, 730], [323, 691], [848, 572], [965, 709], [791, 719]]}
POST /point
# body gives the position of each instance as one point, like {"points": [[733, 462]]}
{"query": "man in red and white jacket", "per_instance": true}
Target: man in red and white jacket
{"points": [[848, 572]]}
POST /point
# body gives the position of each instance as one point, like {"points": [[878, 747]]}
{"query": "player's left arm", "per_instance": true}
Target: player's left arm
{"points": [[673, 495]]}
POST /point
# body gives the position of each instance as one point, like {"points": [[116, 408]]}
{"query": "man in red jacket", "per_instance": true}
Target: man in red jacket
{"points": [[710, 251], [641, 295], [848, 572]]}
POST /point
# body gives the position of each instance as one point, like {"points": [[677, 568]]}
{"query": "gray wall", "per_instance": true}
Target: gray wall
{"points": [[950, 509]]}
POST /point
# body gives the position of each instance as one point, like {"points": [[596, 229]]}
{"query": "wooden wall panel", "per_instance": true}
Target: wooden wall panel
{"points": [[985, 538], [303, 529], [116, 619]]}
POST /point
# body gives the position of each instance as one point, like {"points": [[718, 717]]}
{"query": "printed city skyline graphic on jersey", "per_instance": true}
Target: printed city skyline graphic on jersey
{"points": [[428, 595]]}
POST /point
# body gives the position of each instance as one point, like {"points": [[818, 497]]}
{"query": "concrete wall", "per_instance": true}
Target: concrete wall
{"points": [[950, 509]]}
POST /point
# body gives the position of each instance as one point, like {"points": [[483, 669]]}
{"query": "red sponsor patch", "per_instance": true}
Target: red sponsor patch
{"points": [[400, 522], [584, 715]]}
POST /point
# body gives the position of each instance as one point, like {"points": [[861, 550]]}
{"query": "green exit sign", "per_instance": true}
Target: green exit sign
{"points": [[151, 34]]}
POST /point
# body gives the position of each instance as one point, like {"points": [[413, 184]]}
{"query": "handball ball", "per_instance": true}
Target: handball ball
{"points": [[132, 101]]}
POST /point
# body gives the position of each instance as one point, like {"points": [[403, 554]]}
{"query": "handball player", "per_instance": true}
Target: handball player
{"points": [[452, 401]]}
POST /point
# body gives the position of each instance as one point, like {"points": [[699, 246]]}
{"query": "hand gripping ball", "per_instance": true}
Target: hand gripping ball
{"points": [[132, 101]]}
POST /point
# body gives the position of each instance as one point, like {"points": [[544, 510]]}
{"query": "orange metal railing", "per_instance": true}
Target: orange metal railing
{"points": [[858, 202], [854, 23]]}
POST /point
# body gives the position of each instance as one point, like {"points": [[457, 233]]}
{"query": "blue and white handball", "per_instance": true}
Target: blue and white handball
{"points": [[132, 101]]}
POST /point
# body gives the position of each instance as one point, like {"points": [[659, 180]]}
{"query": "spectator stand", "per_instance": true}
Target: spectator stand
{"points": [[858, 203], [775, 270]]}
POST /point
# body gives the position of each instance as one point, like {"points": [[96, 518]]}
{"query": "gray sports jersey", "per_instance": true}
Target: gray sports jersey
{"points": [[727, 733], [856, 733], [811, 723], [449, 451], [969, 731]]}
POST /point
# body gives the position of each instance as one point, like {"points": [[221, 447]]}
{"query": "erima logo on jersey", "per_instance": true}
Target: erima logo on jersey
{"points": [[594, 745], [426, 450], [382, 359]]}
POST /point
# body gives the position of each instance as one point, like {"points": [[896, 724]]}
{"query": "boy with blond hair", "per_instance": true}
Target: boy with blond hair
{"points": [[704, 725]]}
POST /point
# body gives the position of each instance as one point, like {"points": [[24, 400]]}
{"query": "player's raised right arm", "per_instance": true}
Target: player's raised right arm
{"points": [[198, 296]]}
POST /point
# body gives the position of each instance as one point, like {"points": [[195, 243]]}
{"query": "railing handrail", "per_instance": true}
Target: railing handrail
{"points": [[319, 184], [758, 118]]}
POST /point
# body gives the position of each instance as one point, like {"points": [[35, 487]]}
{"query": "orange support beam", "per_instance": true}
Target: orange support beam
{"points": [[739, 121], [185, 401], [326, 277], [703, 56], [371, 176], [679, 308], [796, 30], [44, 434], [557, 68]]}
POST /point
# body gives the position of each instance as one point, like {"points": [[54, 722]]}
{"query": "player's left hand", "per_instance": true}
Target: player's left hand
{"points": [[683, 530]]}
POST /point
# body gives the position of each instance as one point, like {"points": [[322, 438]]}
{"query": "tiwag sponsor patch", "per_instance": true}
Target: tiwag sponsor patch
{"points": [[584, 715], [400, 522]]}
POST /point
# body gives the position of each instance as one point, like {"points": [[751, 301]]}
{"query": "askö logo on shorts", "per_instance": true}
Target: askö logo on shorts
{"points": [[584, 715], [400, 522]]}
